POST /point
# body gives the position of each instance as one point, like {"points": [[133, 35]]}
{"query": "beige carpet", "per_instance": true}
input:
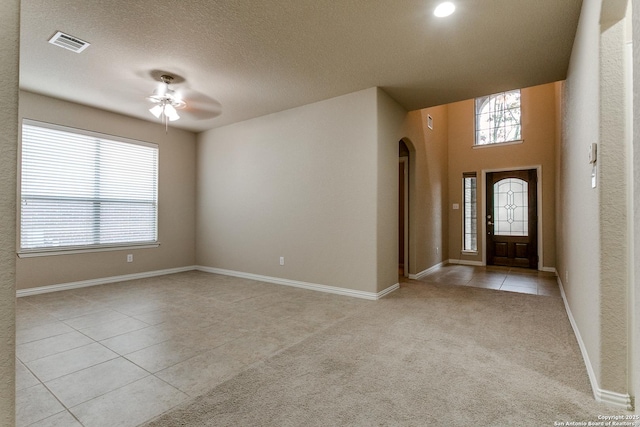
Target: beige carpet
{"points": [[425, 355]]}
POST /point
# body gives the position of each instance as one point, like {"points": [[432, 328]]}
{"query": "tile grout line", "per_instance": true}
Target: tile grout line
{"points": [[356, 310], [54, 396], [509, 272]]}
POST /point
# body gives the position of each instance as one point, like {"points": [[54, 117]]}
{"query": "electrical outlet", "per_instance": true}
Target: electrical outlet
{"points": [[437, 250], [281, 260], [566, 277], [129, 257]]}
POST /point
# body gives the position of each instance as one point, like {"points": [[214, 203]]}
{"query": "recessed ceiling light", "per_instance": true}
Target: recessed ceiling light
{"points": [[444, 9]]}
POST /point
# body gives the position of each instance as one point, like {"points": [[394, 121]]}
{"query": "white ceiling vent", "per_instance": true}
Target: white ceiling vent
{"points": [[69, 42]]}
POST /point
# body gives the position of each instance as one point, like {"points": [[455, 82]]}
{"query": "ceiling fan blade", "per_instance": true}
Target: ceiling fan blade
{"points": [[200, 114], [200, 106]]}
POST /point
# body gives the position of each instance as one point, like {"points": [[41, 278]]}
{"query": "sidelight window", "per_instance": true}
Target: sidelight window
{"points": [[470, 212]]}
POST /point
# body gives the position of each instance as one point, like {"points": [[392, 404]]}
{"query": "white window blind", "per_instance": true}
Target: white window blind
{"points": [[81, 189]]}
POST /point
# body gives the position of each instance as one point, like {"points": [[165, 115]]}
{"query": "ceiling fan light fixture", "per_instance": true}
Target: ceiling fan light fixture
{"points": [[171, 113], [166, 101], [156, 110], [161, 90]]}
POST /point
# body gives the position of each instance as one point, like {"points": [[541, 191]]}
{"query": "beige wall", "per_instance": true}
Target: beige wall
{"points": [[428, 188], [539, 135], [9, 30], [578, 218], [301, 184], [227, 227], [613, 187], [176, 198], [390, 117], [436, 184], [593, 253], [559, 174], [636, 202]]}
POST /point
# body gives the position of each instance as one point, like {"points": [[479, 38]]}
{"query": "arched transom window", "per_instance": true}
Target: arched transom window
{"points": [[498, 118]]}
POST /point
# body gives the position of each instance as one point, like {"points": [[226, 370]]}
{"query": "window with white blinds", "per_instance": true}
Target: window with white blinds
{"points": [[81, 189]]}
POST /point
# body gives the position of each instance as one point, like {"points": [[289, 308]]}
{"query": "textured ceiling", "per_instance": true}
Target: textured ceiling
{"points": [[252, 58]]}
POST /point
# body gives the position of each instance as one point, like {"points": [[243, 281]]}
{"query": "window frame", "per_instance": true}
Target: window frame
{"points": [[472, 204], [478, 112], [94, 247]]}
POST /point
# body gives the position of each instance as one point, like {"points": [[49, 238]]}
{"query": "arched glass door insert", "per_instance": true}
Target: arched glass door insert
{"points": [[511, 207], [512, 218]]}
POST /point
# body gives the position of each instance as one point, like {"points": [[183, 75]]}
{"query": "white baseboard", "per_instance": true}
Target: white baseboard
{"points": [[303, 285], [465, 262], [387, 291], [101, 281], [550, 270], [618, 400], [425, 272], [146, 274]]}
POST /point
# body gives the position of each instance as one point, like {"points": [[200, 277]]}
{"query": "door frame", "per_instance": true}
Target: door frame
{"points": [[405, 160], [483, 209]]}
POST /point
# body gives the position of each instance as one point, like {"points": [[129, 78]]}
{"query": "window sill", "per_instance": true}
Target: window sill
{"points": [[499, 144], [470, 253], [77, 250]]}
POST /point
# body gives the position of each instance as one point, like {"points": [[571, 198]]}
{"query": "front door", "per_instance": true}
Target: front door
{"points": [[512, 218]]}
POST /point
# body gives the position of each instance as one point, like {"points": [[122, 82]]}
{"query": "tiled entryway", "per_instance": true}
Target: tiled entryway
{"points": [[509, 279]]}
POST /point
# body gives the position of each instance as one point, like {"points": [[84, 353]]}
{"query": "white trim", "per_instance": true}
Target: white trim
{"points": [[465, 262], [103, 248], [303, 285], [483, 210], [147, 274], [581, 344], [498, 144], [469, 253], [425, 272], [622, 401], [550, 270], [387, 291], [101, 281]]}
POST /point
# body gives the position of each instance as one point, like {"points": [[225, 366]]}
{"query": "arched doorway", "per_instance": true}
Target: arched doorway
{"points": [[403, 209]]}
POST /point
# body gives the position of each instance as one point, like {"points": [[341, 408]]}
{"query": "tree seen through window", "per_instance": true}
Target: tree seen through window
{"points": [[498, 118]]}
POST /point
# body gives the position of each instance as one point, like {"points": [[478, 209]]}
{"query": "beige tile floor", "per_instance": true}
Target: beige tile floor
{"points": [[499, 278], [123, 353]]}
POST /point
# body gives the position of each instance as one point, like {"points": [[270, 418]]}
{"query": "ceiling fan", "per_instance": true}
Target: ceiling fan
{"points": [[168, 101]]}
